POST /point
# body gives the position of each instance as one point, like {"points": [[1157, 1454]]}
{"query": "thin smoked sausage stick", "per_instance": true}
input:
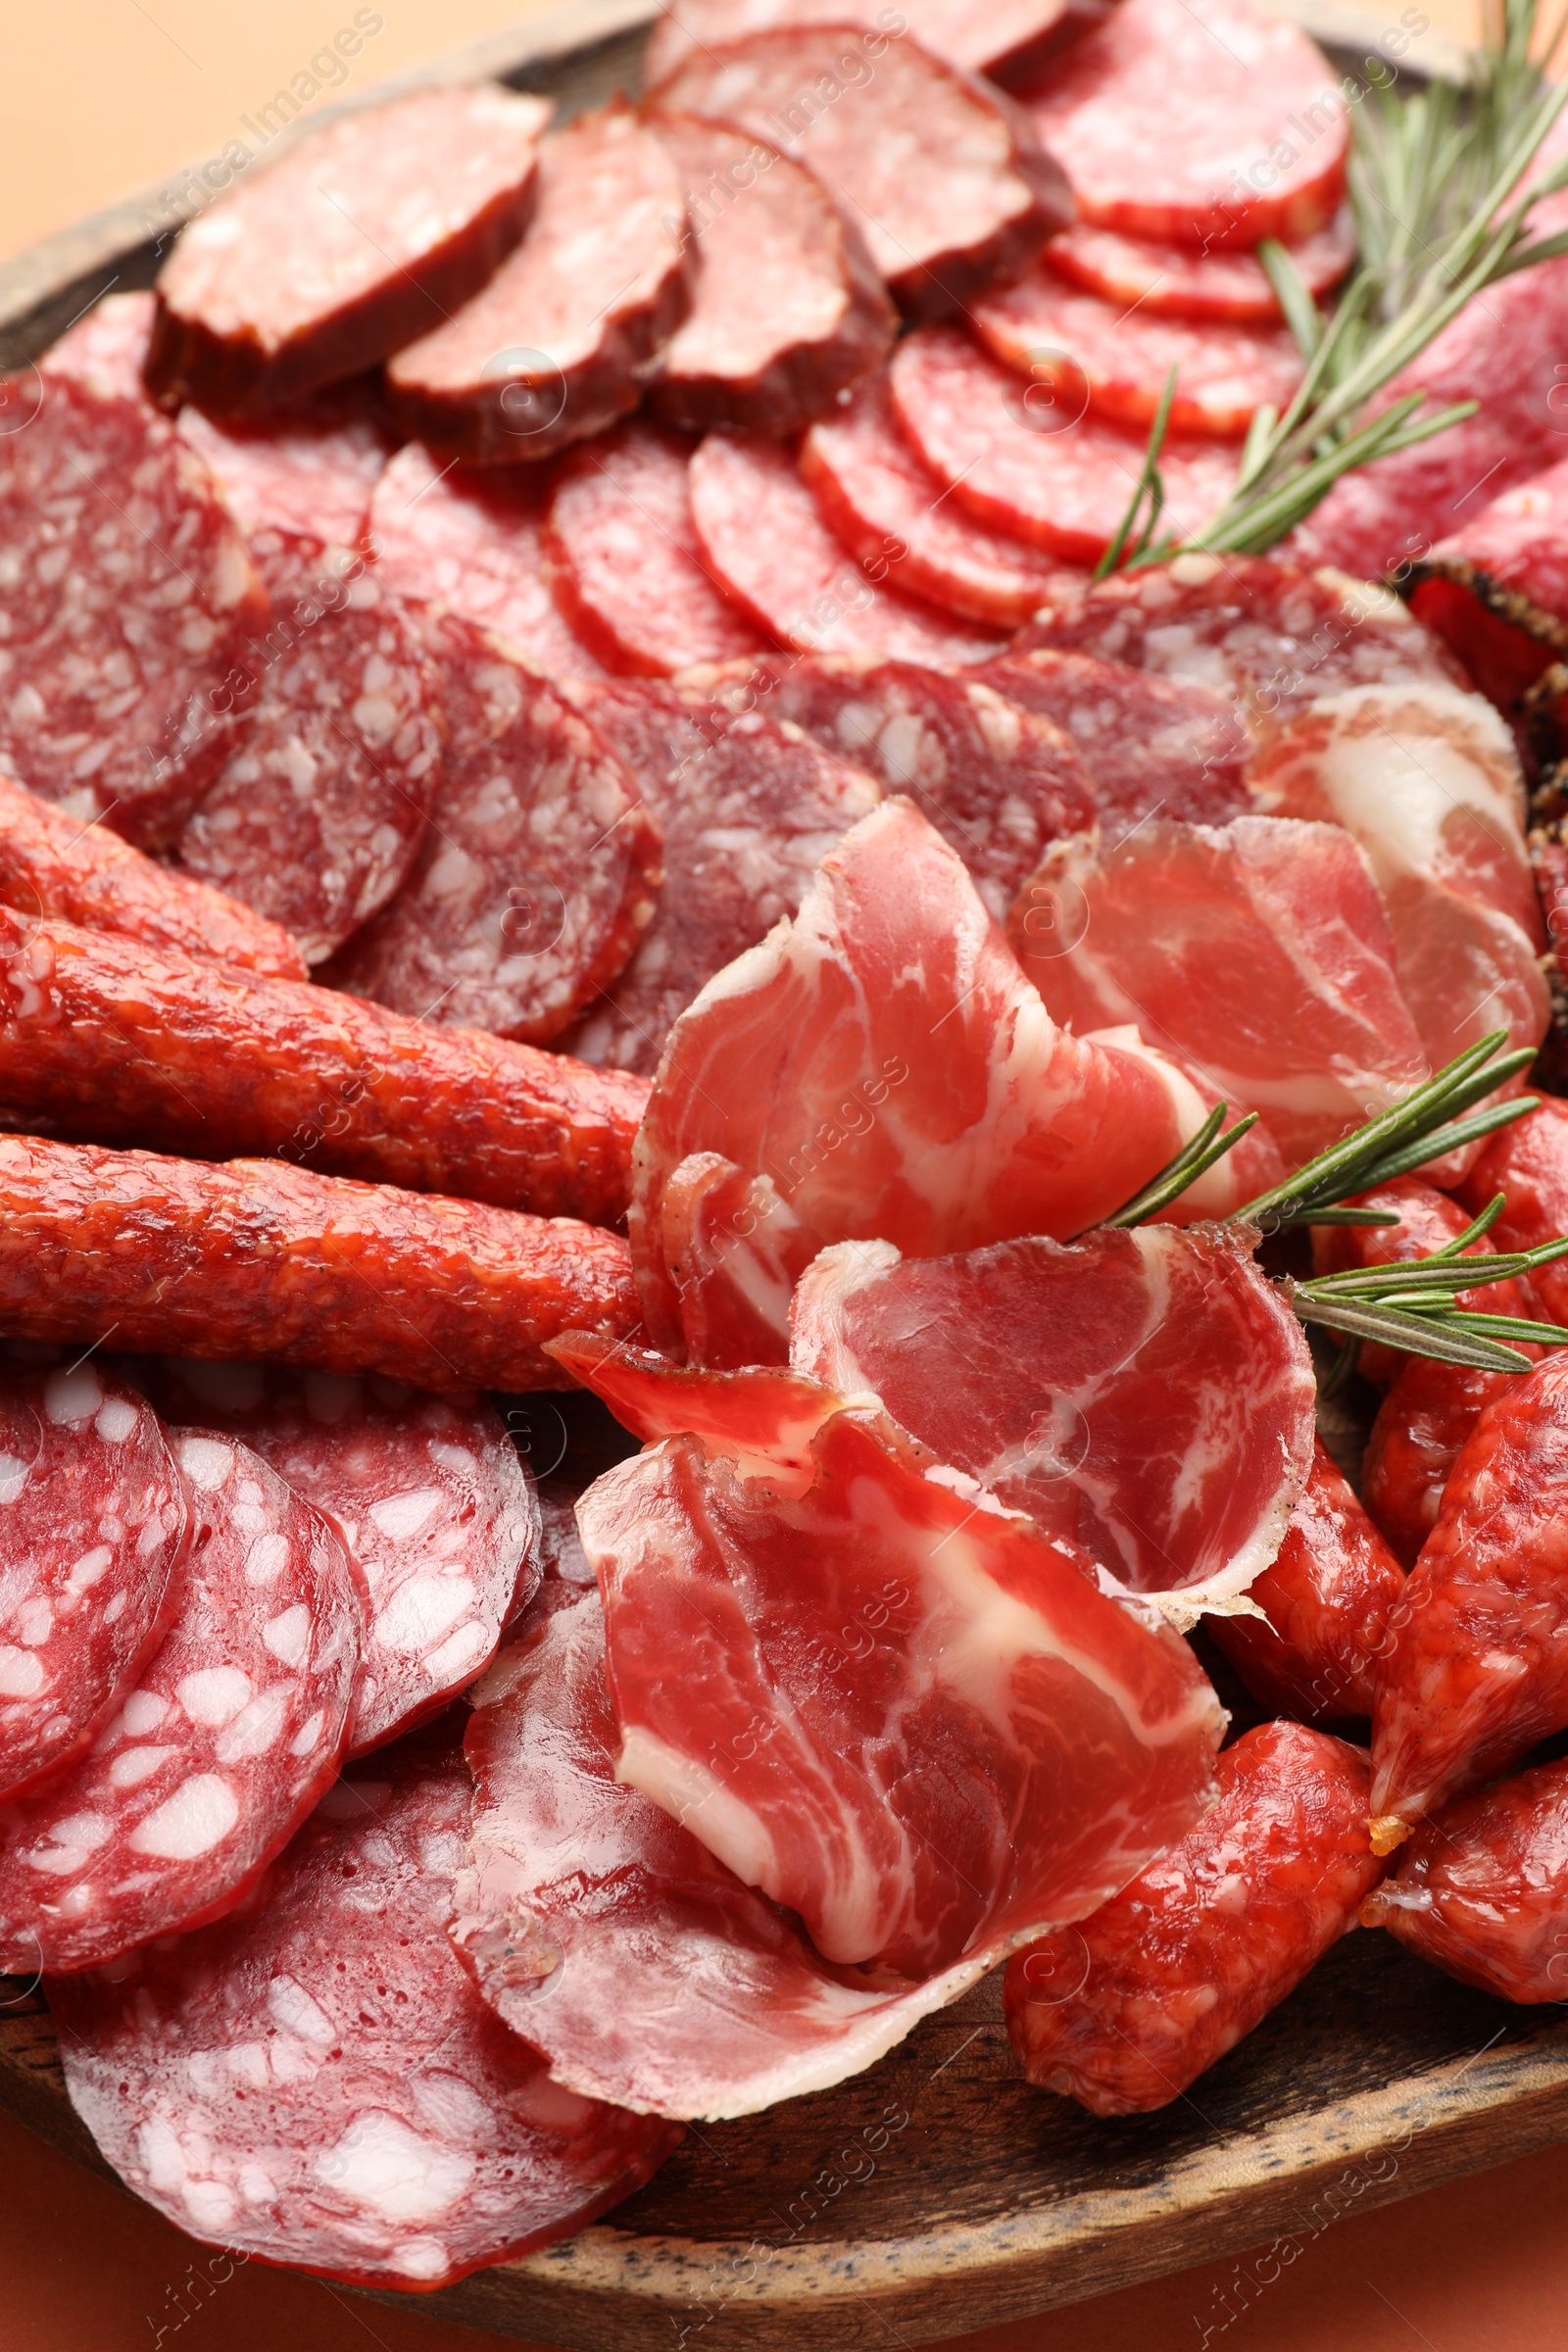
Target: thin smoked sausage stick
{"points": [[257, 1259]]}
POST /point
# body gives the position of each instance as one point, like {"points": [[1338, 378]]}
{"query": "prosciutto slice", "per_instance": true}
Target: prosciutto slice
{"points": [[880, 1066], [1147, 1396], [1260, 949], [904, 1715]]}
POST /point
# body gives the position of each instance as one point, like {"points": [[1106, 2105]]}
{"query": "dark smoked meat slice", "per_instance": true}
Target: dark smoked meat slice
{"points": [[366, 235]]}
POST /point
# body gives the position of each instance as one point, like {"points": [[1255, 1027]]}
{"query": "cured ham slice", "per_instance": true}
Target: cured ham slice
{"points": [[1144, 1394], [761, 1420], [881, 1068], [1427, 780], [1260, 949], [906, 1716]]}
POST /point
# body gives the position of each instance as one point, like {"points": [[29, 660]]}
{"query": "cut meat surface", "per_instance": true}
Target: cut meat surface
{"points": [[1496, 590], [538, 873], [93, 1543], [1181, 282], [763, 541], [747, 808], [1150, 746], [231, 1731], [1079, 345], [316, 2082], [1029, 462], [940, 179], [318, 812], [881, 1068], [1124, 2013], [626, 563], [997, 781], [1256, 147], [256, 1260], [1147, 1396], [125, 606], [1270, 964], [1010, 37], [312, 470], [788, 311], [50, 863], [1479, 1888], [474, 543], [556, 346], [893, 515], [428, 1495], [1529, 1163], [361, 237], [936, 1806], [1429, 1220], [108, 346]]}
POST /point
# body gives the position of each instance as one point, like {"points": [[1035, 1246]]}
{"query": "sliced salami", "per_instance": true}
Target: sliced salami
{"points": [[231, 1731], [890, 510], [126, 600], [428, 1495], [1256, 148], [474, 543], [107, 347], [748, 808], [94, 1532], [555, 347], [628, 568], [1154, 746], [788, 311], [1029, 462], [361, 237], [1182, 282], [1079, 345], [317, 2082], [1004, 41], [765, 542], [858, 108], [310, 471], [318, 810], [539, 872], [997, 781]]}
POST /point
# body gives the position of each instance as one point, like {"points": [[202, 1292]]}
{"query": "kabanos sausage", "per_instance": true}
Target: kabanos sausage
{"points": [[1482, 1889], [104, 1038], [257, 1259]]}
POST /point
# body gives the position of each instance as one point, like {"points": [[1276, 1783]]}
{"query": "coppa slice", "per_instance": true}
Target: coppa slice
{"points": [[1146, 1396], [317, 2082], [626, 559], [126, 604], [880, 1067], [1028, 461], [232, 1730], [788, 311], [746, 808], [1151, 746], [1256, 149], [539, 870], [94, 1535], [428, 1495], [929, 1805], [941, 179], [1180, 282], [312, 470], [361, 237], [556, 345], [1005, 40], [895, 516], [1122, 360], [1270, 963], [474, 543], [763, 541], [996, 781]]}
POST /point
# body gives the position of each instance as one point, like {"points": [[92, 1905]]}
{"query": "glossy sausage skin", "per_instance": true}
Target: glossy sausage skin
{"points": [[1482, 1889], [106, 1039], [1124, 2011], [1418, 1436], [257, 1259]]}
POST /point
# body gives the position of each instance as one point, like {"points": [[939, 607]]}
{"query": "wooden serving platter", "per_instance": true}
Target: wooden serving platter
{"points": [[936, 2193]]}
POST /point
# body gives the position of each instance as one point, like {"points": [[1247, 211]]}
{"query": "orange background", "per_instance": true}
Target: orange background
{"points": [[94, 107]]}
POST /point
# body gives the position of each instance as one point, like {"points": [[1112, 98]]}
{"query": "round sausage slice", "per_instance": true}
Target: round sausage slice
{"points": [[1178, 282], [1005, 40]]}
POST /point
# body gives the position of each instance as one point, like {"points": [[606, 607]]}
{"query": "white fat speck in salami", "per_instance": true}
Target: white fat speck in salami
{"points": [[539, 871], [125, 598], [201, 1773], [94, 1530], [317, 2081], [428, 1495]]}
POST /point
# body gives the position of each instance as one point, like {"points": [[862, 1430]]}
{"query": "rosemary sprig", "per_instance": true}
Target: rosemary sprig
{"points": [[1414, 1306], [1207, 1146]]}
